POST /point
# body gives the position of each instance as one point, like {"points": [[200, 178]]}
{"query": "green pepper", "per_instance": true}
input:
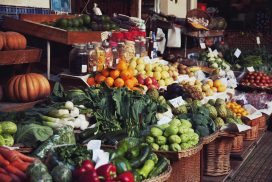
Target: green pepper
{"points": [[137, 176], [122, 165], [147, 168], [133, 153], [149, 139]]}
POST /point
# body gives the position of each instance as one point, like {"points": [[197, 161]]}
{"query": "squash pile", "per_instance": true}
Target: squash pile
{"points": [[12, 41], [28, 87]]}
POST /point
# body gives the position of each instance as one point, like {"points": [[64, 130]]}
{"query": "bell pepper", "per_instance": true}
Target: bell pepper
{"points": [[147, 168], [126, 177], [108, 171], [121, 149], [89, 176], [122, 165], [137, 176]]}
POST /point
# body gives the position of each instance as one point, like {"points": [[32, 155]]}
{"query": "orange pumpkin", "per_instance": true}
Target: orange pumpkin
{"points": [[14, 41], [28, 87], [2, 40]]}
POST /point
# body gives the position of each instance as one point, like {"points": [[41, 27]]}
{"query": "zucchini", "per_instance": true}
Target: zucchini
{"points": [[139, 161], [160, 167]]}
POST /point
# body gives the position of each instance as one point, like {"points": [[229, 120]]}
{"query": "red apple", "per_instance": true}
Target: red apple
{"points": [[148, 81], [151, 87], [153, 80]]}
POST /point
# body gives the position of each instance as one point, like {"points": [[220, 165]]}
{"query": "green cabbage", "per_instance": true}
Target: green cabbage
{"points": [[8, 127], [2, 141], [9, 141], [61, 173]]}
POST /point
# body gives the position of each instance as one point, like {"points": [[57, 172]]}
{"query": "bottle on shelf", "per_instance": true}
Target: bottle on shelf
{"points": [[115, 54], [78, 60], [100, 56], [92, 61]]}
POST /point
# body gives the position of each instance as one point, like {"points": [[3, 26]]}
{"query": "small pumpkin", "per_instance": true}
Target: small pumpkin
{"points": [[14, 41], [2, 40], [28, 87]]}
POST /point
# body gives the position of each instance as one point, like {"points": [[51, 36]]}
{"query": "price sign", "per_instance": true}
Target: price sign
{"points": [[177, 102], [210, 50], [237, 53], [202, 45], [258, 40], [250, 69]]}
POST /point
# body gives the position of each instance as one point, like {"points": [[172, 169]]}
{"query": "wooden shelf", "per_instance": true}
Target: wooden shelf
{"points": [[31, 25], [203, 34], [17, 107], [29, 55]]}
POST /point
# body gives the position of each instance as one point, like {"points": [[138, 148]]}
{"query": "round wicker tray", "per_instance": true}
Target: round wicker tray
{"points": [[181, 154], [162, 177], [208, 139]]}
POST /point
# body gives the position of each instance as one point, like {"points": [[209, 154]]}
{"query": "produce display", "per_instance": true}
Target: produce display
{"points": [[12, 41], [85, 23], [175, 136], [256, 79], [215, 61], [237, 109], [28, 87]]}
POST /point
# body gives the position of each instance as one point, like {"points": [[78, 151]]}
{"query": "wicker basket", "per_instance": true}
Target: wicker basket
{"points": [[238, 143], [162, 177], [185, 164], [174, 156], [198, 14], [252, 134], [217, 156], [208, 139], [262, 122]]}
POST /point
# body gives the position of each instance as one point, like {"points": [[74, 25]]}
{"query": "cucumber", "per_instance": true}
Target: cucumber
{"points": [[160, 167], [139, 161]]}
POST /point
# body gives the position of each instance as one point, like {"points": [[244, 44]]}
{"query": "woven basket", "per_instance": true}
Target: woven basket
{"points": [[198, 14], [252, 134], [238, 143], [262, 122], [174, 156], [162, 177], [208, 139], [217, 156]]}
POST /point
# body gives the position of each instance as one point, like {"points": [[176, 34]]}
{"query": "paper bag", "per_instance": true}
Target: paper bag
{"points": [[174, 37]]}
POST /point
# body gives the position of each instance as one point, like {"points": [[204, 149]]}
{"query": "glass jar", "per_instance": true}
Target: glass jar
{"points": [[115, 54], [100, 56], [137, 48], [143, 49], [120, 49], [92, 60], [129, 50], [108, 55], [78, 60]]}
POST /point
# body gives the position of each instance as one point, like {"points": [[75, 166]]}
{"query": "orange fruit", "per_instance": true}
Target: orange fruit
{"points": [[137, 89], [109, 81], [210, 82], [214, 89], [99, 78], [119, 82], [217, 83], [91, 81], [105, 72], [114, 74], [126, 74], [134, 79], [122, 65], [129, 83], [222, 88]]}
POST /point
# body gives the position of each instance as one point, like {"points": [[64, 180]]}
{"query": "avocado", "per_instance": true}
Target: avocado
{"points": [[105, 18], [75, 22], [62, 23], [106, 26], [94, 26], [69, 22], [80, 21]]}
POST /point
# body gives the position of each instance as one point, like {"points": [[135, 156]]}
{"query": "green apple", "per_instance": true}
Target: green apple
{"points": [[142, 72], [140, 61], [148, 67], [140, 67], [165, 75], [168, 81], [132, 64], [158, 69], [161, 83], [165, 68], [135, 72], [157, 75], [149, 73]]}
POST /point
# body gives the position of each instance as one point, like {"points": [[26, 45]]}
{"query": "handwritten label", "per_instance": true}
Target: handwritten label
{"points": [[177, 102], [258, 40], [202, 45], [237, 53], [164, 120], [250, 69], [210, 50]]}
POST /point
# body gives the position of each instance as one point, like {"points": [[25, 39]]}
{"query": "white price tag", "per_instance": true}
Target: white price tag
{"points": [[250, 69], [177, 101], [84, 68], [202, 45], [163, 62], [183, 78], [258, 40], [94, 145], [237, 53], [164, 120], [210, 50]]}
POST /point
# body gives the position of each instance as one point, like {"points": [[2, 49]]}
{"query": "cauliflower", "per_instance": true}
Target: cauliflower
{"points": [[153, 93]]}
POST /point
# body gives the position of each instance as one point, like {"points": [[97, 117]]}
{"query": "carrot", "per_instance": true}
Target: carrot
{"points": [[10, 155], [14, 177], [20, 165], [16, 171], [26, 158], [2, 170], [3, 161], [5, 178]]}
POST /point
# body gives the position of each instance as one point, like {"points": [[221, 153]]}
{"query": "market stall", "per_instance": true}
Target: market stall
{"points": [[123, 113]]}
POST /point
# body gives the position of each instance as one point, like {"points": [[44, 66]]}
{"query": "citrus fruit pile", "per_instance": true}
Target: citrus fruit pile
{"points": [[237, 109], [122, 76]]}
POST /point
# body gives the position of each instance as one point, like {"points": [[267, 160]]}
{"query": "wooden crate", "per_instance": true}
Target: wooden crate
{"points": [[31, 25], [28, 55]]}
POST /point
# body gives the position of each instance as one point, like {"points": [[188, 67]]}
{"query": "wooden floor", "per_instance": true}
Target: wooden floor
{"points": [[258, 166]]}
